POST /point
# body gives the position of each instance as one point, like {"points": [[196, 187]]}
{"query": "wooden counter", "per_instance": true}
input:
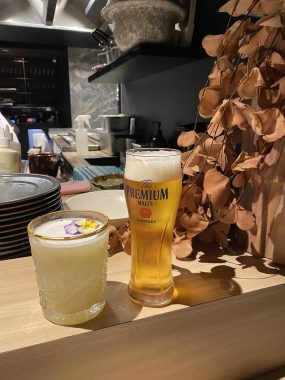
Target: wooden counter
{"points": [[239, 334]]}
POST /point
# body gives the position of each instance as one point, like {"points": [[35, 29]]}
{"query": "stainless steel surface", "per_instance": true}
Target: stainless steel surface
{"points": [[93, 11], [115, 123], [17, 188], [68, 14], [49, 7], [68, 21], [65, 139], [112, 143]]}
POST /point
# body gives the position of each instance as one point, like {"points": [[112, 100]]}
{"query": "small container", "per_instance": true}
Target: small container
{"points": [[9, 158], [44, 163], [109, 181]]}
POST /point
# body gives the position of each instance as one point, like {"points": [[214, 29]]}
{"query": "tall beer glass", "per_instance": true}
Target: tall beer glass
{"points": [[153, 182]]}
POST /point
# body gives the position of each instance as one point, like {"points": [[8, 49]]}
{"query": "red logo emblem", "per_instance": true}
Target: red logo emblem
{"points": [[145, 212]]}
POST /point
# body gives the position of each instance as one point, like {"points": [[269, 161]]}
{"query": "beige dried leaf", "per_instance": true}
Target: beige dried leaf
{"points": [[239, 73], [280, 46], [270, 97], [221, 196], [273, 96], [218, 186], [270, 124], [226, 79], [281, 86], [247, 111], [205, 198], [210, 98], [124, 235], [227, 214], [274, 21], [211, 149], [178, 234], [191, 197], [233, 35], [238, 180], [185, 219], [194, 223], [213, 44], [215, 129], [267, 37], [114, 241], [235, 136], [182, 248], [249, 85], [227, 156], [277, 61], [246, 161], [250, 50], [237, 7], [196, 161], [245, 219], [215, 71], [272, 7], [224, 63], [185, 156], [186, 139], [256, 179], [232, 113]]}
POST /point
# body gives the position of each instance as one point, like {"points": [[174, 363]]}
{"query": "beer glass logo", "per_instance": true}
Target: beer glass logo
{"points": [[145, 196], [145, 212]]}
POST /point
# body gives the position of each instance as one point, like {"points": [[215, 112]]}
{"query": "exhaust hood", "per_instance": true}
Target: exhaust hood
{"points": [[67, 22]]}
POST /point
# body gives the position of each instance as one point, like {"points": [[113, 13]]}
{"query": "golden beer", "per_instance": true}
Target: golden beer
{"points": [[153, 183]]}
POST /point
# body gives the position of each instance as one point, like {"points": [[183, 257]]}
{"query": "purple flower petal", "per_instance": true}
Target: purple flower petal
{"points": [[75, 223], [71, 229]]}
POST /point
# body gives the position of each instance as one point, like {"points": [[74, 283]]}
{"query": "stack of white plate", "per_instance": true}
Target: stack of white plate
{"points": [[23, 197]]}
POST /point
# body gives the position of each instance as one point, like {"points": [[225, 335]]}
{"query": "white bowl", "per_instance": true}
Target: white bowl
{"points": [[109, 202]]}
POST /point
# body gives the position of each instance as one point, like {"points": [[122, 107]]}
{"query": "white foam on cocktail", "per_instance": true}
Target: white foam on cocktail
{"points": [[155, 166], [56, 228]]}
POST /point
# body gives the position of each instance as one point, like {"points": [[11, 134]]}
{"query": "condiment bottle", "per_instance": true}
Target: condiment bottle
{"points": [[158, 140], [81, 136], [9, 158]]}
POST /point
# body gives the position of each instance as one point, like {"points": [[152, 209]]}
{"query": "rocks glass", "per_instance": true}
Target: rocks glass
{"points": [[69, 250]]}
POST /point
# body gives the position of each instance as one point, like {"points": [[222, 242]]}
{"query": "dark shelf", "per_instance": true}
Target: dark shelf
{"points": [[144, 60], [33, 106], [29, 78]]}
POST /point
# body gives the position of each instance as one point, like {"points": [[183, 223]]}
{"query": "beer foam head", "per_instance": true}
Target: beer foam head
{"points": [[66, 227], [154, 165]]}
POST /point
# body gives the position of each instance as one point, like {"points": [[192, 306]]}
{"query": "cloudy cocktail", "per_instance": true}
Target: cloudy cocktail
{"points": [[69, 250]]}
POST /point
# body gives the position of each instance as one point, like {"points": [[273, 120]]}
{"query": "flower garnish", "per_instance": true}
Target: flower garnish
{"points": [[79, 227]]}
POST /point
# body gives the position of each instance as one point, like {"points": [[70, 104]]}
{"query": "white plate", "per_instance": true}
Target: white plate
{"points": [[110, 202]]}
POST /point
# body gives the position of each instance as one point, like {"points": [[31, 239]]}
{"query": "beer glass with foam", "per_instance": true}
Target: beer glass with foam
{"points": [[153, 183], [69, 250]]}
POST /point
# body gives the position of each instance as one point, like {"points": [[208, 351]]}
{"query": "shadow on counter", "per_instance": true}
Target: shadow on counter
{"points": [[126, 309]]}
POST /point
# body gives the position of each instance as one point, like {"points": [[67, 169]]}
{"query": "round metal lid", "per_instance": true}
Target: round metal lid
{"points": [[15, 188]]}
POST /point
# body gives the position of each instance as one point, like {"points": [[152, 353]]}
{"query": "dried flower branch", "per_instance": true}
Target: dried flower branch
{"points": [[244, 95]]}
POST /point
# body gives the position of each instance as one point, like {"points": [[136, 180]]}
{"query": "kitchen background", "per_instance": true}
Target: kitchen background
{"points": [[170, 96]]}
